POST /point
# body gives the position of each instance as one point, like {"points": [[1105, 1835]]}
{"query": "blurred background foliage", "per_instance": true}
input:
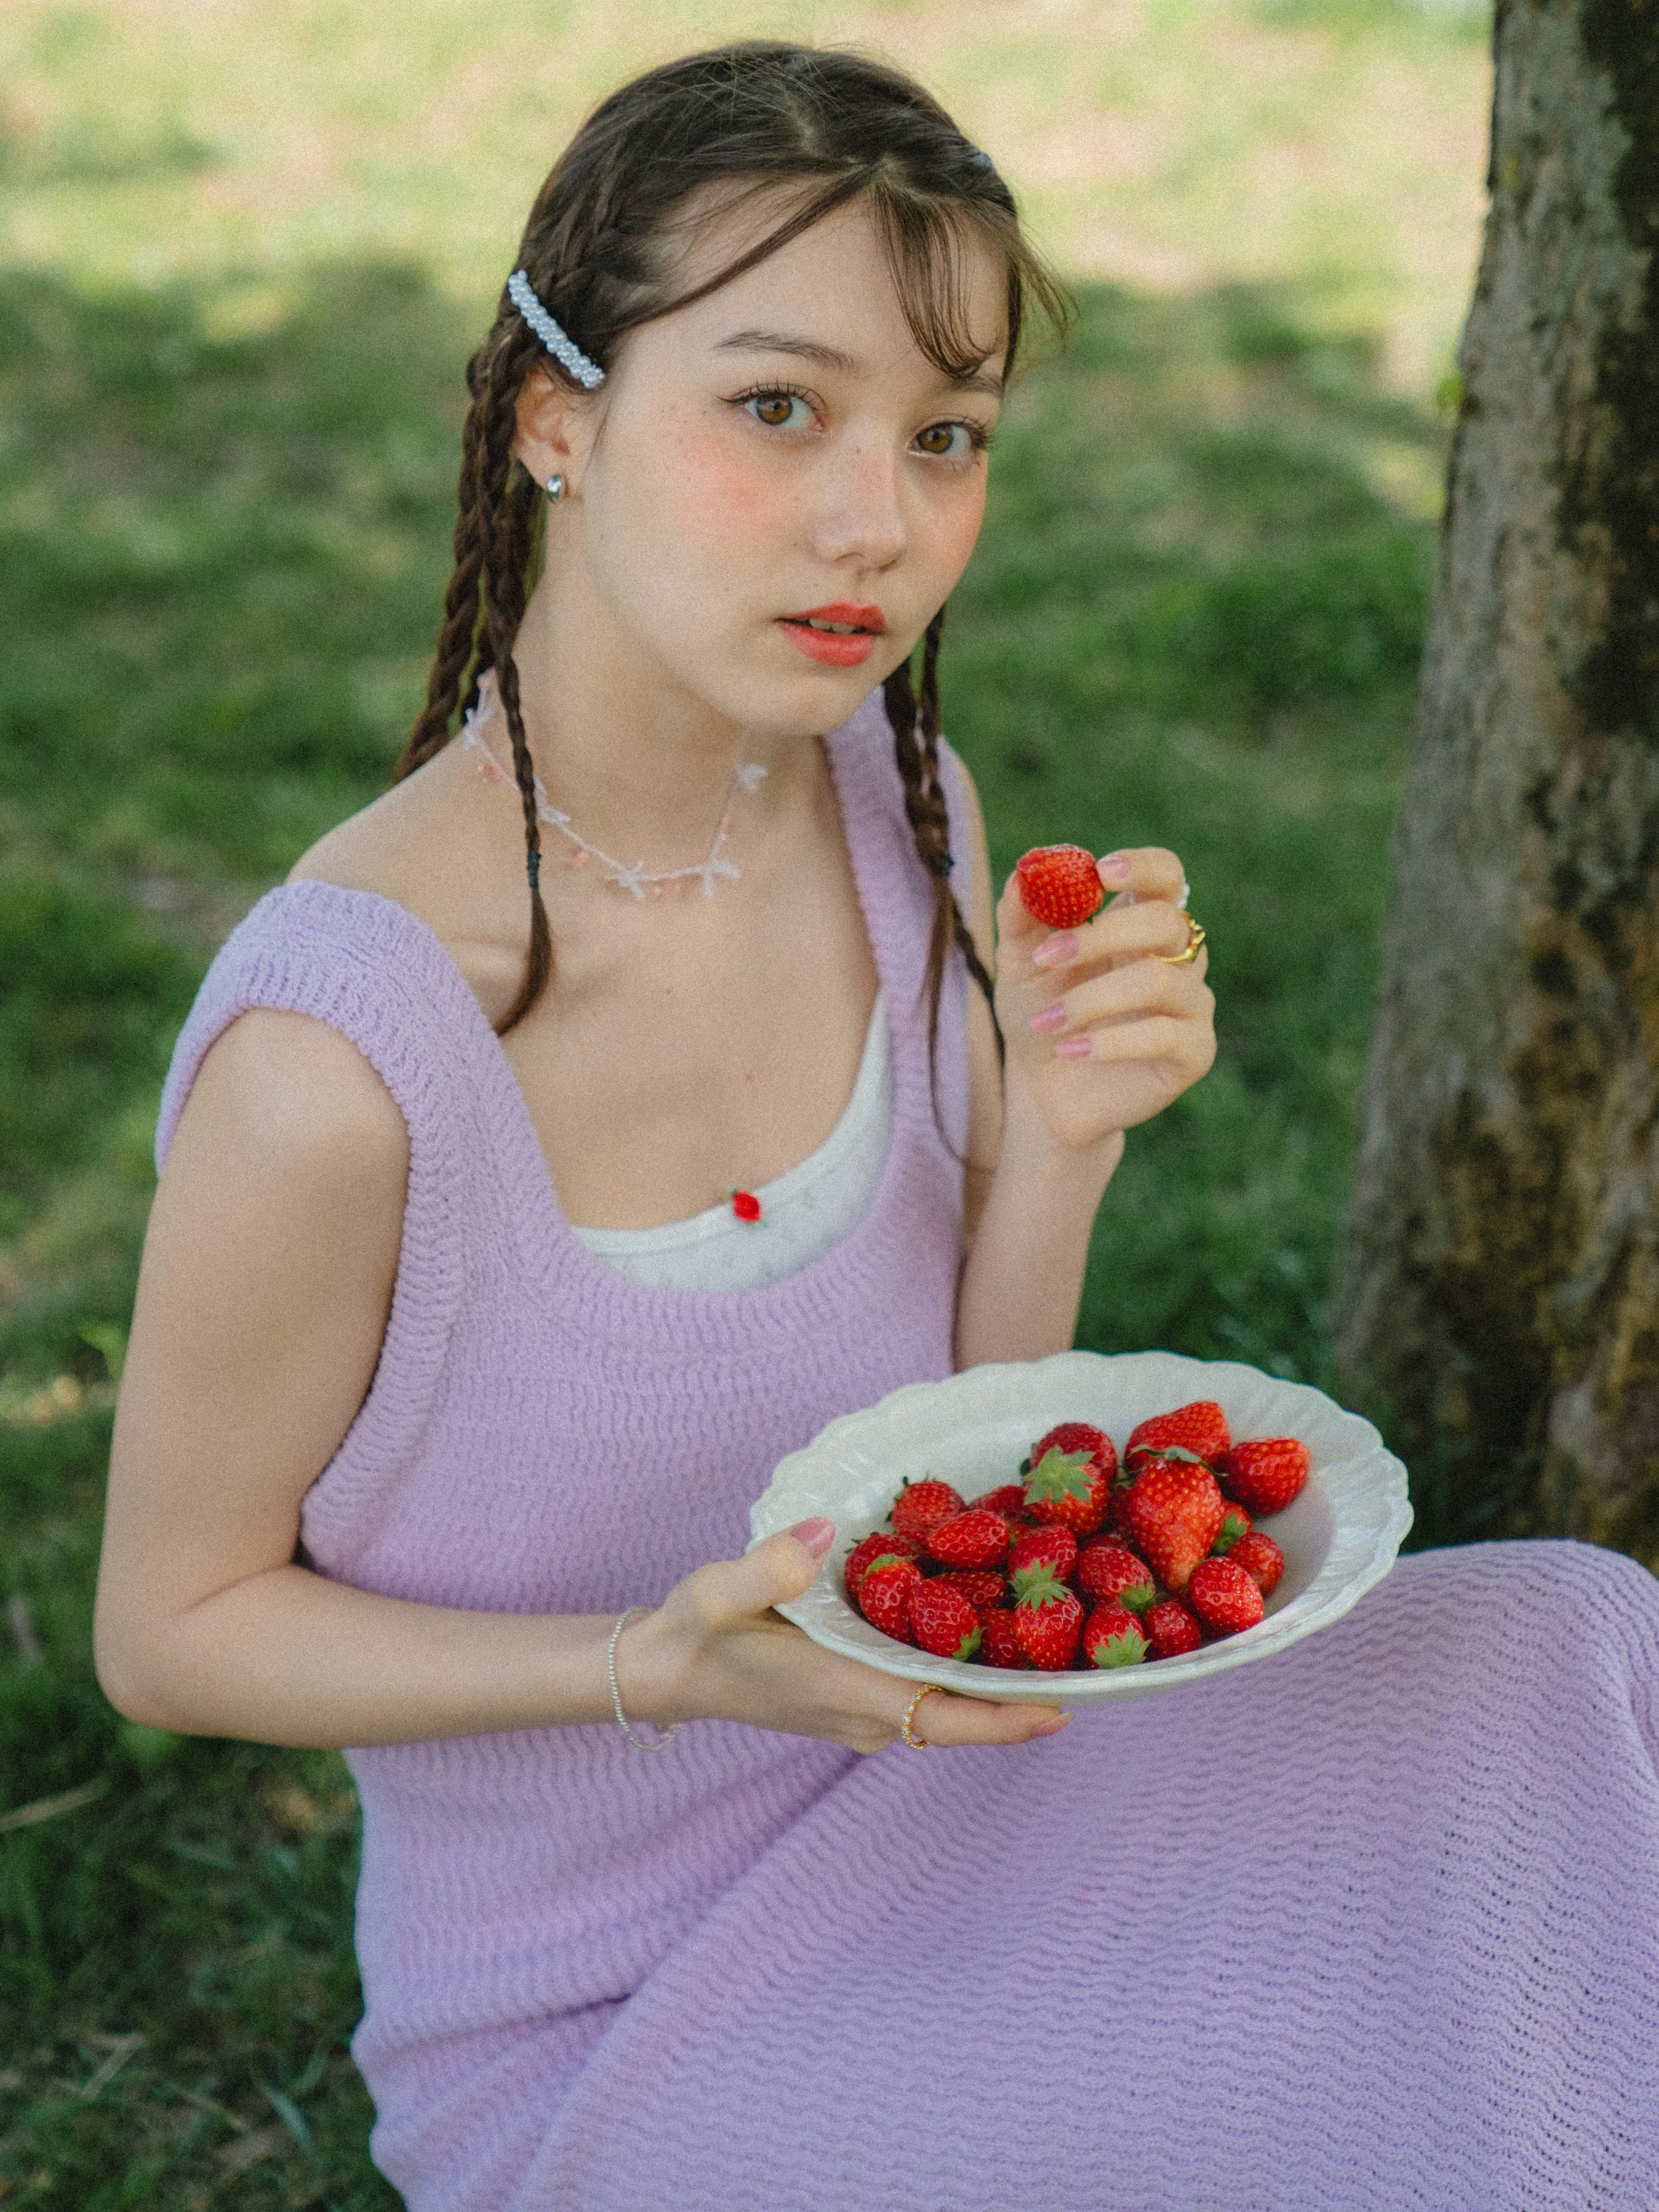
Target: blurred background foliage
{"points": [[245, 250]]}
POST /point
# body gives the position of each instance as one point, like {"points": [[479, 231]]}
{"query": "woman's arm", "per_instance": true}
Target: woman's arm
{"points": [[262, 1303], [1052, 1125]]}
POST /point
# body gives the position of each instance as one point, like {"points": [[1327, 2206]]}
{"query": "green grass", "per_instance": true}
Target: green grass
{"points": [[1195, 620]]}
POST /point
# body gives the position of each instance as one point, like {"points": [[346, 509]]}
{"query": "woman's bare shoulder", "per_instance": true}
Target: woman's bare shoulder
{"points": [[397, 845], [448, 850]]}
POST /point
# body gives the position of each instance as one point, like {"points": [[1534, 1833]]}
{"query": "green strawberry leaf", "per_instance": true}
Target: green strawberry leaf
{"points": [[1059, 1474], [1038, 1585], [1233, 1526]]}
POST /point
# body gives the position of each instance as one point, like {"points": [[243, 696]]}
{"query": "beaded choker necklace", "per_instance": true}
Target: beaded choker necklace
{"points": [[746, 776]]}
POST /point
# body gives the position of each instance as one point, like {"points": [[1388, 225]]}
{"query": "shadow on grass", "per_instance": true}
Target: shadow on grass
{"points": [[224, 518]]}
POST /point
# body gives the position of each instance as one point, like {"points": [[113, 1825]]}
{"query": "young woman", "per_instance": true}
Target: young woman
{"points": [[454, 1369]]}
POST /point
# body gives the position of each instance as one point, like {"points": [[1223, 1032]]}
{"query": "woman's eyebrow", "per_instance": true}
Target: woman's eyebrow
{"points": [[829, 357]]}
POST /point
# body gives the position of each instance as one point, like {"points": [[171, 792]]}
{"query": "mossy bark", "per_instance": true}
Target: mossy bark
{"points": [[1500, 1289]]}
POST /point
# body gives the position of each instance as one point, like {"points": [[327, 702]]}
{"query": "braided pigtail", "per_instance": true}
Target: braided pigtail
{"points": [[458, 637], [509, 501], [915, 747]]}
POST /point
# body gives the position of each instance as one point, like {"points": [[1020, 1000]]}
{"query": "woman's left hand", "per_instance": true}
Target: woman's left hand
{"points": [[1103, 1026]]}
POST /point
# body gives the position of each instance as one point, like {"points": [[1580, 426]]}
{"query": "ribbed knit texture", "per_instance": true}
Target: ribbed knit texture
{"points": [[1372, 1923]]}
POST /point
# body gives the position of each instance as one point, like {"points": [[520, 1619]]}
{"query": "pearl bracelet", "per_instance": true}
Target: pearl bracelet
{"points": [[639, 1743]]}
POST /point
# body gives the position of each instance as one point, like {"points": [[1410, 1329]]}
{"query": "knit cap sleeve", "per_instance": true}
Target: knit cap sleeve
{"points": [[370, 969]]}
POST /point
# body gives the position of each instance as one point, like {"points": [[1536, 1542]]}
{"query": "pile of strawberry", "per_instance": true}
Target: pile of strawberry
{"points": [[1119, 1563]]}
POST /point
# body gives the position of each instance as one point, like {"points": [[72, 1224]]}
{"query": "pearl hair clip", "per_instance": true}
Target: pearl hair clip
{"points": [[564, 351]]}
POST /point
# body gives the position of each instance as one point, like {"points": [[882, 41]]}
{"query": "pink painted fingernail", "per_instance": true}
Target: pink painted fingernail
{"points": [[816, 1535], [1072, 1048], [1051, 1017], [1113, 868], [1055, 1726], [1054, 951]]}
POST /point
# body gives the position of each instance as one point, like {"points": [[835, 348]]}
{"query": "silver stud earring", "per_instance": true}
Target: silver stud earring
{"points": [[555, 487]]}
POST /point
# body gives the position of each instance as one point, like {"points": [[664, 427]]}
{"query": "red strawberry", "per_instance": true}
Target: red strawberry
{"points": [[968, 1539], [1069, 1484], [943, 1622], [1008, 1497], [1054, 1548], [919, 1505], [1060, 884], [1002, 1646], [1077, 1436], [1235, 1523], [1264, 1476], [1200, 1428], [1109, 1570], [1223, 1597], [977, 1584], [864, 1555], [1174, 1509], [884, 1596], [1112, 1636], [1172, 1629], [1049, 1620], [1261, 1559], [1117, 1511]]}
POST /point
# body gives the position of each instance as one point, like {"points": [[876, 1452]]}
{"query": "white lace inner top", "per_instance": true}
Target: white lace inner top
{"points": [[804, 1211]]}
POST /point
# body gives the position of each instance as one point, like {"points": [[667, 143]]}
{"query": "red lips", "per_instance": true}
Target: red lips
{"points": [[860, 614], [862, 623]]}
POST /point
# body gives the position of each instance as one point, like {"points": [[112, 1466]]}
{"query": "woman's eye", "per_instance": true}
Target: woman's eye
{"points": [[951, 442], [777, 410]]}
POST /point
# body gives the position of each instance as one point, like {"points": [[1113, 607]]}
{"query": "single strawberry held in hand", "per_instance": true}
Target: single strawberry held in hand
{"points": [[1060, 884]]}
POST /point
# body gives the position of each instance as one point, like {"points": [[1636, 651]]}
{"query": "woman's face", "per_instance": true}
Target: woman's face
{"points": [[778, 450]]}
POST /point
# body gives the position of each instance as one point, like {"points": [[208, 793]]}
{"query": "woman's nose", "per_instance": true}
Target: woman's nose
{"points": [[861, 513]]}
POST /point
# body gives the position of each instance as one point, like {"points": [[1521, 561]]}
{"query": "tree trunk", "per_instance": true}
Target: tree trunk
{"points": [[1500, 1288]]}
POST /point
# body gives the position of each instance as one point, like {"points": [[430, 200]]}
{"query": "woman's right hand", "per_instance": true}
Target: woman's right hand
{"points": [[714, 1649]]}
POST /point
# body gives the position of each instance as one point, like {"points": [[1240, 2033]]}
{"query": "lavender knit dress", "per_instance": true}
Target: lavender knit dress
{"points": [[1372, 1923]]}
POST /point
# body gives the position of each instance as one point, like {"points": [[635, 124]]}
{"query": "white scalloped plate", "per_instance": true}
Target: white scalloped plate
{"points": [[1338, 1537]]}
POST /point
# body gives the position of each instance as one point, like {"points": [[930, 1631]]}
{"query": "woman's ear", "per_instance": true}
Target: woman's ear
{"points": [[549, 435]]}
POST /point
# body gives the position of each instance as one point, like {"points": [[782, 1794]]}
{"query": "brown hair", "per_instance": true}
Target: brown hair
{"points": [[762, 114]]}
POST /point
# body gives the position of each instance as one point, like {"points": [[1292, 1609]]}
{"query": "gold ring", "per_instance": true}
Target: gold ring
{"points": [[1196, 935], [918, 1743]]}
